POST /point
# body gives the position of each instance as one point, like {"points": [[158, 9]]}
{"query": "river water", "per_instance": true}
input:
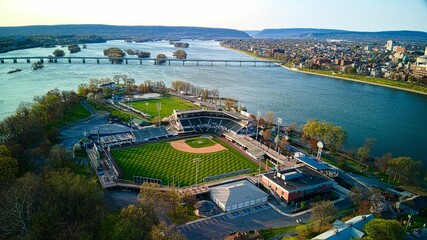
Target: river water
{"points": [[395, 118]]}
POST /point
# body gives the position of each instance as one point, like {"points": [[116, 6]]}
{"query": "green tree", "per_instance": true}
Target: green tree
{"points": [[365, 151], [384, 229], [4, 151], [8, 169], [304, 231], [134, 223], [322, 214], [331, 135]]}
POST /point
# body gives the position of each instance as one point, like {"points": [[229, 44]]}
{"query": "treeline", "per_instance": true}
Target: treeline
{"points": [[124, 85], [10, 43], [184, 87], [180, 54], [114, 52]]}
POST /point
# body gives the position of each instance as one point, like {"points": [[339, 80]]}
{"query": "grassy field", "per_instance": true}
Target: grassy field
{"points": [[76, 114], [168, 105], [160, 160], [199, 142]]}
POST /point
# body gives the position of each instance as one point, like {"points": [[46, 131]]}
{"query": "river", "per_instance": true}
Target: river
{"points": [[395, 119]]}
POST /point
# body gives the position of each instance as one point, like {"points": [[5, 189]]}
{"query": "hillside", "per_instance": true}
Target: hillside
{"points": [[114, 32], [314, 33]]}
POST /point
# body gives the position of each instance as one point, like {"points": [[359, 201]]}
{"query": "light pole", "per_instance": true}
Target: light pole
{"points": [[319, 151], [258, 116], [279, 123], [197, 160], [407, 224], [159, 107], [146, 105]]}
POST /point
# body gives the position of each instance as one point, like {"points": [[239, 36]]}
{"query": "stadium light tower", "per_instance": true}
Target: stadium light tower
{"points": [[319, 151], [159, 107], [197, 160], [258, 116], [146, 105]]}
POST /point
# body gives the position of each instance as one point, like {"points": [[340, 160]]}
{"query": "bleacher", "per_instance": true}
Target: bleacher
{"points": [[151, 133], [116, 139], [210, 121]]}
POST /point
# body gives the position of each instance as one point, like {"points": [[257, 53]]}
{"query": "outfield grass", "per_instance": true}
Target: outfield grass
{"points": [[199, 142], [160, 160], [168, 105]]}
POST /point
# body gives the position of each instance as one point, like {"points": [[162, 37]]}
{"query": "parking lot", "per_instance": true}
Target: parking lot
{"points": [[216, 227]]}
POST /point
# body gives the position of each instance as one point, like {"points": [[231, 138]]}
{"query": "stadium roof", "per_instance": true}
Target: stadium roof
{"points": [[236, 192], [313, 163]]}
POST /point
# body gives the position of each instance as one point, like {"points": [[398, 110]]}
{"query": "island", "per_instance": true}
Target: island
{"points": [[181, 45], [14, 71], [180, 54], [140, 54], [160, 58], [58, 53], [73, 48], [37, 65], [114, 53]]}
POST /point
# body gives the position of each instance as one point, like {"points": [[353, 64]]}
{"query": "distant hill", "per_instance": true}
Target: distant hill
{"points": [[314, 33], [114, 32]]}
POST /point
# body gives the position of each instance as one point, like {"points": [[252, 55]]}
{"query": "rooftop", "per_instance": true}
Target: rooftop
{"points": [[346, 230], [313, 163], [297, 178], [236, 192]]}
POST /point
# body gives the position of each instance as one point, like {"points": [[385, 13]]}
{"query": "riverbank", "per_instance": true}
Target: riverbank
{"points": [[337, 77]]}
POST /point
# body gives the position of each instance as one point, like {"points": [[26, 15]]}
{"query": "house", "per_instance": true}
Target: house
{"points": [[110, 85], [413, 205], [351, 229]]}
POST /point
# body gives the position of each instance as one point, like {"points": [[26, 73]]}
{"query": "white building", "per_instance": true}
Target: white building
{"points": [[237, 195], [389, 46]]}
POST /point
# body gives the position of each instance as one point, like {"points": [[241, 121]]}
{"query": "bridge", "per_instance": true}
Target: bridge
{"points": [[156, 61]]}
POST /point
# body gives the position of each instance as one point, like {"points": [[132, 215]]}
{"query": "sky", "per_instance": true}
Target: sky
{"points": [[358, 15]]}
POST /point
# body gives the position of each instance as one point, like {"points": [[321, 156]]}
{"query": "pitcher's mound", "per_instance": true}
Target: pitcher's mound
{"points": [[181, 145]]}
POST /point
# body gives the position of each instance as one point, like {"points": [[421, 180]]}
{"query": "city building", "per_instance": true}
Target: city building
{"points": [[297, 183], [389, 46], [237, 195], [399, 49], [351, 229]]}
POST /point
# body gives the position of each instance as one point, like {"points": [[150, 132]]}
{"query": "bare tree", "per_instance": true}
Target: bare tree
{"points": [[322, 214]]}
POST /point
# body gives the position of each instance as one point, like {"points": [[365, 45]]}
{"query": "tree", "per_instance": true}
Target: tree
{"points": [[116, 53], [134, 223], [8, 169], [331, 135], [404, 169], [383, 163], [269, 117], [322, 213], [73, 48], [229, 103], [365, 151], [164, 232], [58, 53], [83, 90], [384, 229], [304, 231], [17, 206]]}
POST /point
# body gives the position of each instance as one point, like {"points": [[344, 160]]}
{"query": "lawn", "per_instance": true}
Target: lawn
{"points": [[199, 142], [167, 106], [76, 114], [161, 161]]}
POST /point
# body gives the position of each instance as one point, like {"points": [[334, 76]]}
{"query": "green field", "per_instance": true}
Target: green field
{"points": [[199, 142], [160, 160], [168, 105]]}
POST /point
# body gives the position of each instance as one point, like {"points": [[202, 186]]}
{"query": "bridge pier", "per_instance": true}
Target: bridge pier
{"points": [[28, 60], [197, 63], [97, 60], [15, 61], [240, 63], [126, 61], [140, 62], [41, 60], [254, 64], [84, 60], [155, 63], [183, 62], [269, 64], [211, 63], [69, 60], [226, 63], [169, 62], [55, 60], [2, 61]]}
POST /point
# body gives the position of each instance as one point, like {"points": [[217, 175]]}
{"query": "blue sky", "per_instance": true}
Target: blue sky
{"points": [[359, 15]]}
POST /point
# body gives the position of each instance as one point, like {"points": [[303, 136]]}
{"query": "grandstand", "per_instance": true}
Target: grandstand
{"points": [[116, 139], [149, 134], [209, 121]]}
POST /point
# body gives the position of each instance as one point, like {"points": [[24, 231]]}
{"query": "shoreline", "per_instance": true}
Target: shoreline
{"points": [[325, 75]]}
